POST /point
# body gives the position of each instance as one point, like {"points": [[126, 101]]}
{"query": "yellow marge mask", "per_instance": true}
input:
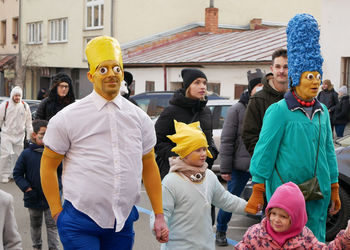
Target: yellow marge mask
{"points": [[309, 84]]}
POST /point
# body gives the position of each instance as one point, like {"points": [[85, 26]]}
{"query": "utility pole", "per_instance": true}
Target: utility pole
{"points": [[211, 4]]}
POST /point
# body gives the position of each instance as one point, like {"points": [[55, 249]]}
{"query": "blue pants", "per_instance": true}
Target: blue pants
{"points": [[235, 186], [79, 231], [339, 129]]}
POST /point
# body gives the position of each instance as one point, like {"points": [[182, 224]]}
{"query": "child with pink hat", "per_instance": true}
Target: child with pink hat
{"points": [[284, 225]]}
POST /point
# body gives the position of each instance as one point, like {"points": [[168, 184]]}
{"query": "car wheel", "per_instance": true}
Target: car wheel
{"points": [[337, 222]]}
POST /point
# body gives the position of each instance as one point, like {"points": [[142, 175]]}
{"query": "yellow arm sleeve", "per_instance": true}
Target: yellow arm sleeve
{"points": [[49, 181], [152, 182]]}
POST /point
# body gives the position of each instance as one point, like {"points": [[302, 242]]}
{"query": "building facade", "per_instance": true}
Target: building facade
{"points": [[335, 37], [53, 34], [9, 43]]}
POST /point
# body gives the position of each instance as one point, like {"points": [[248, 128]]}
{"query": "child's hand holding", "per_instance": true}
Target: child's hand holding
{"points": [[347, 230]]}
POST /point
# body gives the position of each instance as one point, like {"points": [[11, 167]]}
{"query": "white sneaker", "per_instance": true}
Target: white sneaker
{"points": [[4, 180]]}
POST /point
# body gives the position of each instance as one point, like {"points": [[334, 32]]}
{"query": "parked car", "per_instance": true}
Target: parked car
{"points": [[153, 103], [218, 109], [339, 221]]}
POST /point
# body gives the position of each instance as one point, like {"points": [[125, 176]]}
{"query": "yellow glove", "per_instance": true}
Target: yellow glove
{"points": [[256, 199], [335, 196]]}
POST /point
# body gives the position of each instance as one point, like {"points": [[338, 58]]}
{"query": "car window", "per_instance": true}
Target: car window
{"points": [[153, 105], [219, 114]]}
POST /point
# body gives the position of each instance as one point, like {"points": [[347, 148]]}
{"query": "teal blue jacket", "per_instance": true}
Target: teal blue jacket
{"points": [[288, 140]]}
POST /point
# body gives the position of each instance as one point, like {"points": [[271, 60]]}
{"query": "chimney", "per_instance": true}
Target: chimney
{"points": [[211, 20], [255, 24]]}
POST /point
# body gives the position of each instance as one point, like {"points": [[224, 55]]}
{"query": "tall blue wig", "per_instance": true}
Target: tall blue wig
{"points": [[303, 47]]}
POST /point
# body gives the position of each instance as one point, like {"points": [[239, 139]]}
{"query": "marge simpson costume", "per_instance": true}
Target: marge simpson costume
{"points": [[292, 129], [189, 190], [106, 144]]}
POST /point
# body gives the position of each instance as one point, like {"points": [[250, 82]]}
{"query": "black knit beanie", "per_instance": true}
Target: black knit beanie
{"points": [[128, 78], [189, 75], [254, 79], [61, 77]]}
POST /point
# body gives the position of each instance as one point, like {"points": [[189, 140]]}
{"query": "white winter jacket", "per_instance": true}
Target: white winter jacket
{"points": [[18, 118]]}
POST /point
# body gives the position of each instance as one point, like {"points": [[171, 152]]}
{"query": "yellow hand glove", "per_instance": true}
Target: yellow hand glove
{"points": [[335, 196], [256, 199]]}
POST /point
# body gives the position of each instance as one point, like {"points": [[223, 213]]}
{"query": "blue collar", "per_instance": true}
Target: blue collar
{"points": [[293, 105]]}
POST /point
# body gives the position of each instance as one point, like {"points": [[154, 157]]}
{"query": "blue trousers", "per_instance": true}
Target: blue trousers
{"points": [[79, 231], [339, 129], [235, 186]]}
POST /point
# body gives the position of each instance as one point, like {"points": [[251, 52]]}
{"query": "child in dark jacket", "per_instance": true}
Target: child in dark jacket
{"points": [[27, 177], [284, 225]]}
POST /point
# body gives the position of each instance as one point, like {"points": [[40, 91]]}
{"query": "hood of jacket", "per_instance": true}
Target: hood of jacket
{"points": [[181, 100], [244, 99], [14, 91], [289, 198]]}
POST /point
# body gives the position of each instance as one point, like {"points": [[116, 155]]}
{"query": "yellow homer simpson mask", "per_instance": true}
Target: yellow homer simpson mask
{"points": [[188, 138], [103, 48]]}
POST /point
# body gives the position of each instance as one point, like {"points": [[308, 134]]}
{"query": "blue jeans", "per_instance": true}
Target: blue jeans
{"points": [[235, 186], [79, 231], [339, 129]]}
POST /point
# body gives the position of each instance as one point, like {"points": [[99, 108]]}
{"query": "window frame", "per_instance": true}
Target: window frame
{"points": [[90, 18], [58, 30], [34, 35], [15, 29], [3, 32]]}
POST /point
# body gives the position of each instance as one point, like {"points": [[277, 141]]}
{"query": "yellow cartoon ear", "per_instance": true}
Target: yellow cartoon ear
{"points": [[103, 48]]}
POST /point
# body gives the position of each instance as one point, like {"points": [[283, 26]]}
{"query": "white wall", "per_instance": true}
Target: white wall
{"points": [[227, 76], [335, 38]]}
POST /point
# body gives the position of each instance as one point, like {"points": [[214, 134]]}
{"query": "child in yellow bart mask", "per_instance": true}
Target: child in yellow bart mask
{"points": [[190, 188], [105, 66]]}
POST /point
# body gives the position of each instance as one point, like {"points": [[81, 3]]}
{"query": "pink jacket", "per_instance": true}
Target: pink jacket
{"points": [[257, 237]]}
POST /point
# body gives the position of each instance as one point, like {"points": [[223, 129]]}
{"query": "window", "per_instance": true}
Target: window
{"points": [[3, 32], [59, 30], [149, 86], [213, 87], [345, 77], [94, 14], [34, 33], [239, 89], [15, 30]]}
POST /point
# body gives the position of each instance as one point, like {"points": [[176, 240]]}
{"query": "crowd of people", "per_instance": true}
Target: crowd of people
{"points": [[280, 134]]}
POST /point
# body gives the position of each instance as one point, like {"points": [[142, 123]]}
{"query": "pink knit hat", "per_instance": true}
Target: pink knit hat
{"points": [[289, 198]]}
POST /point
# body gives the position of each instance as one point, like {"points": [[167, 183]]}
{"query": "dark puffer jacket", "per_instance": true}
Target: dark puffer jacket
{"points": [[48, 108], [27, 175], [328, 97], [233, 153], [341, 111], [187, 110], [255, 112]]}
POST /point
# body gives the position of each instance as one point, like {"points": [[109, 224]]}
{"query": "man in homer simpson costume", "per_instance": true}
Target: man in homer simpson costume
{"points": [[292, 128], [106, 144]]}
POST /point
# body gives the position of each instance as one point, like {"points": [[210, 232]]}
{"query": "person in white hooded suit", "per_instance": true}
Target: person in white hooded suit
{"points": [[15, 120]]}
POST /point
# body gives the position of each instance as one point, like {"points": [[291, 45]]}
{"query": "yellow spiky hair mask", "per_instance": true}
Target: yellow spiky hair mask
{"points": [[188, 138], [103, 48]]}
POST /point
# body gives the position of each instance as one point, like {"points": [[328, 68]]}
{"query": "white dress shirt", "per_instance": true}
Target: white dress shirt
{"points": [[103, 143]]}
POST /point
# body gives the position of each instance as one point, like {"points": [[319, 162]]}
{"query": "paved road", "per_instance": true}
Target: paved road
{"points": [[144, 239]]}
